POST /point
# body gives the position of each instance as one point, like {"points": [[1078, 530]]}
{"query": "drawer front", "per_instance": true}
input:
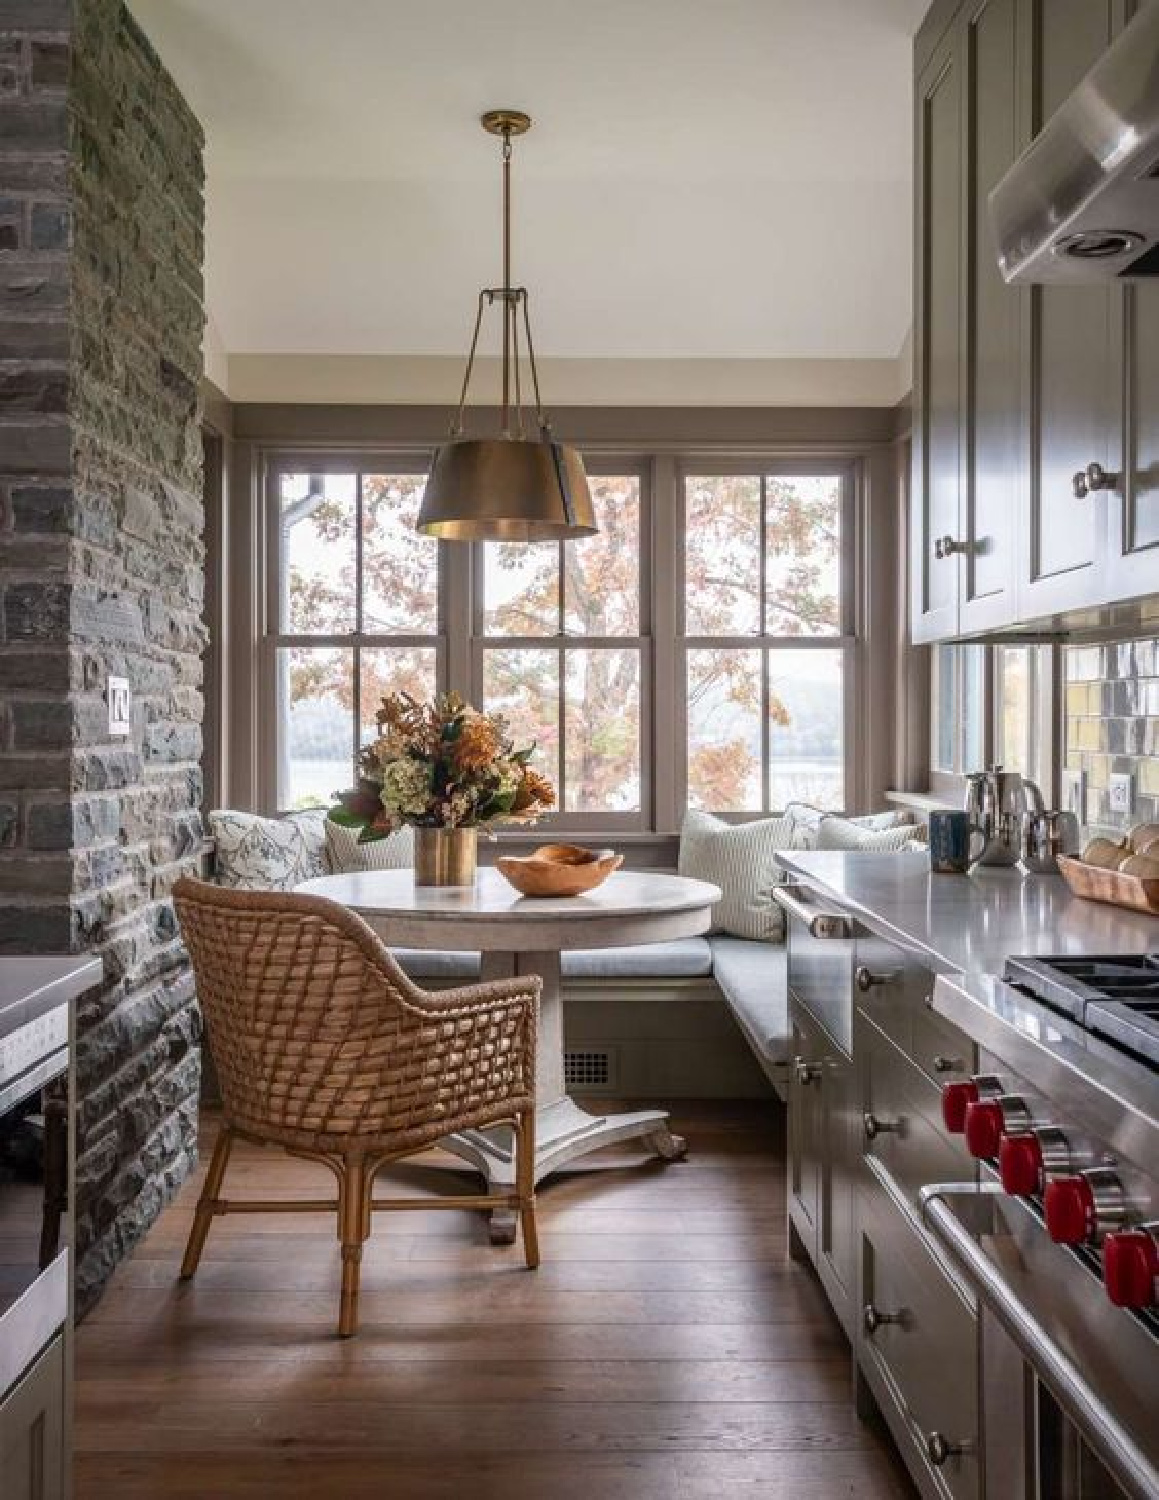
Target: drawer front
{"points": [[821, 977], [884, 983], [921, 1359], [902, 1128], [939, 1048]]}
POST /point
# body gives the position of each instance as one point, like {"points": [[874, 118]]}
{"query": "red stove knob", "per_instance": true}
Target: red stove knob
{"points": [[957, 1098], [1082, 1207], [1027, 1158], [1020, 1164], [988, 1120], [1131, 1266]]}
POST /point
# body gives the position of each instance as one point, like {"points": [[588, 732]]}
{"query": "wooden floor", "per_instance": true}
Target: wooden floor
{"points": [[666, 1349]]}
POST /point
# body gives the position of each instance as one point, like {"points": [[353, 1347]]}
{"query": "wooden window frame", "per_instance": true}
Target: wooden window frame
{"points": [[847, 640], [460, 643]]}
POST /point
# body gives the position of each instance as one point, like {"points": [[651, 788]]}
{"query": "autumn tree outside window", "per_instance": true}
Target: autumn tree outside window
{"points": [[747, 570]]}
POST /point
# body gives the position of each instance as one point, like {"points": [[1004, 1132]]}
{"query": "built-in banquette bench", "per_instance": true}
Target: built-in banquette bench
{"points": [[642, 1020]]}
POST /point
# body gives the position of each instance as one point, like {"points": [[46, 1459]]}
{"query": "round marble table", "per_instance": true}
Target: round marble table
{"points": [[517, 935]]}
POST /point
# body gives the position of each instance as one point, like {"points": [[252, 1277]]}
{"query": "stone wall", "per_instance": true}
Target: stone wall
{"points": [[1112, 726], [102, 574]]}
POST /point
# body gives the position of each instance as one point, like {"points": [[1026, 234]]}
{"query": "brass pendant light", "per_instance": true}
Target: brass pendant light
{"points": [[513, 488]]}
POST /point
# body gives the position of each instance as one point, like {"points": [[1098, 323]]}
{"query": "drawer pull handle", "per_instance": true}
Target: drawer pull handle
{"points": [[949, 1064], [875, 1127], [867, 980], [873, 1318], [939, 1449], [806, 1072]]}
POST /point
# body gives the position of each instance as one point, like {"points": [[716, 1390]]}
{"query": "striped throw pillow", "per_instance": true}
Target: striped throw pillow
{"points": [[741, 859], [841, 833], [345, 854]]}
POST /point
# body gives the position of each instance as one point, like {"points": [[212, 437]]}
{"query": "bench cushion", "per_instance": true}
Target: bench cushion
{"points": [[438, 963], [683, 958], [753, 977]]}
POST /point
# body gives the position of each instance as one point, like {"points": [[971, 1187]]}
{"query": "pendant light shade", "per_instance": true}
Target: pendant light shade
{"points": [[512, 487], [507, 490]]}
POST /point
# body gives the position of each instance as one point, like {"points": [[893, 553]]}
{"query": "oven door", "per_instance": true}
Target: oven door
{"points": [[1068, 1379], [34, 1255]]}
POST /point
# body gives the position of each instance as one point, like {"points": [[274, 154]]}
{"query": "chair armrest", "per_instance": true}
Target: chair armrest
{"points": [[490, 995]]}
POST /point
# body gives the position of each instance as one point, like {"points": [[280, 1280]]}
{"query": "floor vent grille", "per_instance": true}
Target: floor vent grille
{"points": [[593, 1068]]}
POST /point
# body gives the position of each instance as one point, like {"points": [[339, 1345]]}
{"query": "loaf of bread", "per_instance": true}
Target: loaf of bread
{"points": [[1143, 837], [1106, 853], [1144, 865]]}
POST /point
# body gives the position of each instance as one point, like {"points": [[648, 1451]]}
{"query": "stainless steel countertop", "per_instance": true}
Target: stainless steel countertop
{"points": [[969, 924], [30, 986]]}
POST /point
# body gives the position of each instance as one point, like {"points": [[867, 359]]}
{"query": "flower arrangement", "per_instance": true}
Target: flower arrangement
{"points": [[441, 765]]}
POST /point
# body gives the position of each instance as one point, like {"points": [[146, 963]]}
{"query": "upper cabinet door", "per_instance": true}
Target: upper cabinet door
{"points": [[994, 468], [937, 450], [1073, 369], [1133, 510]]}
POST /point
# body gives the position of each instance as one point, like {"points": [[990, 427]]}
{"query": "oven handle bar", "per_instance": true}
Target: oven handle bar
{"points": [[821, 924], [1111, 1442]]}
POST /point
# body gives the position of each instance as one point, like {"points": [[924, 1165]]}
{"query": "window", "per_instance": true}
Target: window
{"points": [[560, 638], [767, 638], [707, 629], [991, 704], [356, 615]]}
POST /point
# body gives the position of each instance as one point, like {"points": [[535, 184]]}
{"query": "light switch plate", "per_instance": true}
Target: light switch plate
{"points": [[120, 700], [1122, 790]]}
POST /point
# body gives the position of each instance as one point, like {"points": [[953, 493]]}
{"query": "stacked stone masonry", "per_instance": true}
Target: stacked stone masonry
{"points": [[101, 574]]}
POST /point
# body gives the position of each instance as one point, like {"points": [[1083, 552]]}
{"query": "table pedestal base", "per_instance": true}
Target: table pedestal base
{"points": [[563, 1132]]}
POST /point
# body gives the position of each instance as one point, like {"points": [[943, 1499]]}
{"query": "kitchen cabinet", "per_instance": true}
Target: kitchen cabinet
{"points": [[1017, 390], [1072, 370], [32, 1462], [822, 1158], [965, 492]]}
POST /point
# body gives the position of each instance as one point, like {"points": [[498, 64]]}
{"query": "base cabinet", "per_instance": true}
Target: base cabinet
{"points": [[822, 1158], [32, 1425]]}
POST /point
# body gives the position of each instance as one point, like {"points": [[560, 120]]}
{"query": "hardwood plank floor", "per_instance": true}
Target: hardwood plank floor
{"points": [[666, 1347]]}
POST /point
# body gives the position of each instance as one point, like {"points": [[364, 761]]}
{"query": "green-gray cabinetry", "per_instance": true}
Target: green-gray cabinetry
{"points": [[1018, 389]]}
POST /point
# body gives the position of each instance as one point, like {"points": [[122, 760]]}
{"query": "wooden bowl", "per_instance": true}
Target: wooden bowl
{"points": [[1093, 883], [559, 869]]}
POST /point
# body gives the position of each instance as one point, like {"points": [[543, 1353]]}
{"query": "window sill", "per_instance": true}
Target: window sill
{"points": [[925, 802]]}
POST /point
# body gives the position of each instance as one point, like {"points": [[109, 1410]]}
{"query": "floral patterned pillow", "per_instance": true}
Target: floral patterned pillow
{"points": [[269, 854]]}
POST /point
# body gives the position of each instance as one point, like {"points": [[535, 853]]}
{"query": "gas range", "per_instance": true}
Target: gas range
{"points": [[1114, 997], [1060, 1234]]}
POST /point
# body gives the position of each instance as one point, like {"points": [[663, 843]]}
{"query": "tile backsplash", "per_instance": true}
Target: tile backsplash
{"points": [[1112, 727]]}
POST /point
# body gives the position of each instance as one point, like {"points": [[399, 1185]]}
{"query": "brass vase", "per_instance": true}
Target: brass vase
{"points": [[446, 856]]}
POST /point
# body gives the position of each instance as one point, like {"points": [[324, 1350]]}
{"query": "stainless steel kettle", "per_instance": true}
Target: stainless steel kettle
{"points": [[997, 801]]}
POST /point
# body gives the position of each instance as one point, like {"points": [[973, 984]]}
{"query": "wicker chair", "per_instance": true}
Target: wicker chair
{"points": [[326, 1048]]}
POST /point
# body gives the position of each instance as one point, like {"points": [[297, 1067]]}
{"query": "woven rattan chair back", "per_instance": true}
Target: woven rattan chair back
{"points": [[324, 1046]]}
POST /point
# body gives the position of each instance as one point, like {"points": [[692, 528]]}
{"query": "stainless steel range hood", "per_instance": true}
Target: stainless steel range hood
{"points": [[1082, 201]]}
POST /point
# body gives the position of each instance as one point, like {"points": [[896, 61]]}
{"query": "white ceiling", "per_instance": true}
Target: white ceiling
{"points": [[725, 179]]}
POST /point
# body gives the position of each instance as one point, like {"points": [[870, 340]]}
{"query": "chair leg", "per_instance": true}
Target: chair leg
{"points": [[525, 1186], [353, 1227], [206, 1204]]}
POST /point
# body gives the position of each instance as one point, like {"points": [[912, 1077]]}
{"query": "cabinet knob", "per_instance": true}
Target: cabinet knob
{"points": [[867, 980], [1093, 477], [939, 1448], [946, 546], [806, 1072], [873, 1318], [874, 1126]]}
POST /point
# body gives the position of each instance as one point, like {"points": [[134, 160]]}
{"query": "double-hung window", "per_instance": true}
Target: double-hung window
{"points": [[767, 635], [355, 605], [561, 648]]}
